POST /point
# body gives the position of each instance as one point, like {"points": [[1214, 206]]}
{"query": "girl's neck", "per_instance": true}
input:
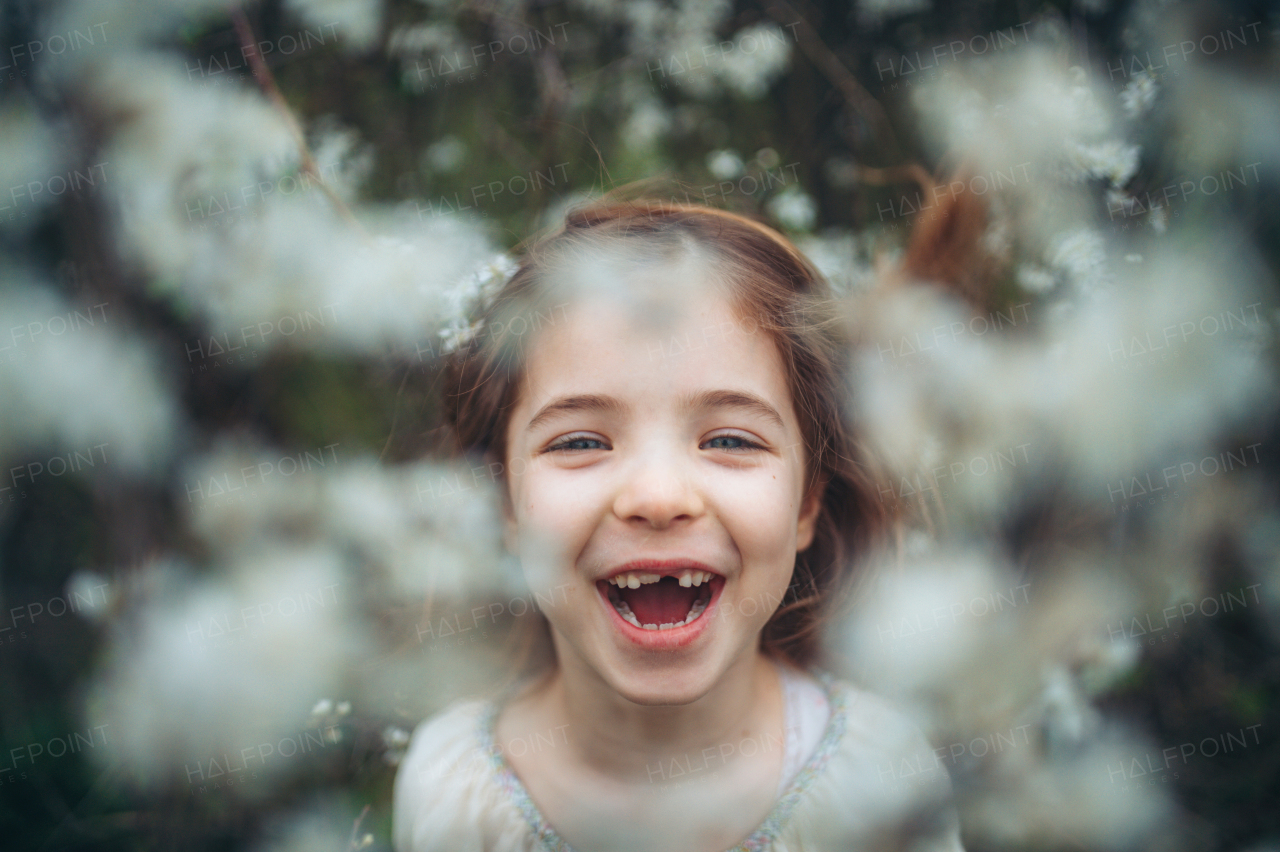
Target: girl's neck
{"points": [[624, 740]]}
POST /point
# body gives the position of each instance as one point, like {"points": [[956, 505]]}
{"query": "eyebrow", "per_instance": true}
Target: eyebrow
{"points": [[734, 399], [576, 404], [697, 402]]}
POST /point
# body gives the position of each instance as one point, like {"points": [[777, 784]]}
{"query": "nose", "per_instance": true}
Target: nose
{"points": [[658, 490]]}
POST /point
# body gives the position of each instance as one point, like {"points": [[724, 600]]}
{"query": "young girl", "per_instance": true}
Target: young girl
{"points": [[669, 417]]}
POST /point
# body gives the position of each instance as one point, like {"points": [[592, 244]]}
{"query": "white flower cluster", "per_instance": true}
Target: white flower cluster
{"points": [[304, 556], [71, 378], [794, 209], [213, 666], [977, 414], [472, 295], [762, 52], [213, 206], [1139, 94]]}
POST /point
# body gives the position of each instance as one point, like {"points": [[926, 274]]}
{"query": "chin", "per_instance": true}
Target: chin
{"points": [[663, 690]]}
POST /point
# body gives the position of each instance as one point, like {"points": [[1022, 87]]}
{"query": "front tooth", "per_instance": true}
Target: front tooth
{"points": [[697, 578], [666, 626], [649, 578], [650, 627], [633, 582], [686, 579]]}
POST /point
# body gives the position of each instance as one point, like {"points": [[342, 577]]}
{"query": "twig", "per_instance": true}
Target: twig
{"points": [[355, 829], [267, 82], [835, 72]]}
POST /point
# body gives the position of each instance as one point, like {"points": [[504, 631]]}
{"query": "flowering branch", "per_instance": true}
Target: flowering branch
{"points": [[266, 80]]}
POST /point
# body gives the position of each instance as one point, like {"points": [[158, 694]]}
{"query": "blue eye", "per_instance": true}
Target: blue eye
{"points": [[730, 442], [578, 443]]}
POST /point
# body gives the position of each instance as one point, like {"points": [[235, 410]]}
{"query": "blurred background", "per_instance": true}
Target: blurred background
{"points": [[238, 564]]}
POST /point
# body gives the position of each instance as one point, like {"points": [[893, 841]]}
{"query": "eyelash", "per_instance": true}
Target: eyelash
{"points": [[562, 445], [747, 443]]}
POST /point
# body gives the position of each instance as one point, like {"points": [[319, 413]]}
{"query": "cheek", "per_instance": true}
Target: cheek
{"points": [[761, 517], [549, 500], [554, 519]]}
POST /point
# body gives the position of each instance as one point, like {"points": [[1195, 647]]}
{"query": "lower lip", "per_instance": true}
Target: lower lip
{"points": [[671, 638]]}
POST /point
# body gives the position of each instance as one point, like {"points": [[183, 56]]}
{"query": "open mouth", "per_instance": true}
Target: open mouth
{"points": [[655, 602]]}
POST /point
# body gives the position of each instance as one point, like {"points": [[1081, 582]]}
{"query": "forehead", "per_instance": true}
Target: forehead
{"points": [[663, 335]]}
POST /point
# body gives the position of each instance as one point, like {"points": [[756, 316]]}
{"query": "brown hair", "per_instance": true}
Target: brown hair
{"points": [[771, 283]]}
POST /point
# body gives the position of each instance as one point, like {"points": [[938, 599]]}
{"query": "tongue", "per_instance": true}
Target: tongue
{"points": [[663, 602]]}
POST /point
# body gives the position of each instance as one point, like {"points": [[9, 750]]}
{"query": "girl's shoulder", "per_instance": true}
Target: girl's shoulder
{"points": [[446, 793], [879, 775]]}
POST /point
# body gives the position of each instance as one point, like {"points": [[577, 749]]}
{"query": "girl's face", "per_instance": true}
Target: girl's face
{"points": [[656, 475]]}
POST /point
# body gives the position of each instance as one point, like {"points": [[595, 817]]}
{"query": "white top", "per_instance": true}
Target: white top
{"points": [[856, 774], [808, 713]]}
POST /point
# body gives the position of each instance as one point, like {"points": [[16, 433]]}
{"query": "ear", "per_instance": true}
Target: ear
{"points": [[807, 523]]}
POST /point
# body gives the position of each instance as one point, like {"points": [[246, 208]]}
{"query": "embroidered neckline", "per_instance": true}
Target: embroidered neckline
{"points": [[758, 841]]}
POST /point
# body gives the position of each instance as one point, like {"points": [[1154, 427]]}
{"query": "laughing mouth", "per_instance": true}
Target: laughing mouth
{"points": [[655, 602]]}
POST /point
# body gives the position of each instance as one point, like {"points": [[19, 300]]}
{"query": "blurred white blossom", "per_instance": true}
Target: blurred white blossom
{"points": [[794, 208], [725, 164], [206, 667], [762, 52], [1116, 161], [472, 293], [1139, 94], [445, 154], [74, 381], [356, 20], [1080, 256]]}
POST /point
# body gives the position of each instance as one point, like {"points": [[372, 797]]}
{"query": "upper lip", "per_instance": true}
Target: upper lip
{"points": [[661, 567]]}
